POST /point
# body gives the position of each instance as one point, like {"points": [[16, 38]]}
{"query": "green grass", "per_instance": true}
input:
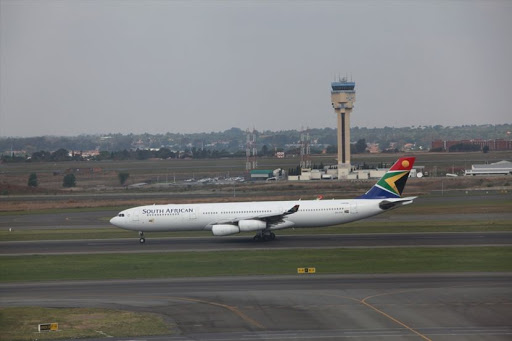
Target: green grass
{"points": [[410, 227], [86, 233], [21, 323], [267, 262], [457, 206], [63, 210]]}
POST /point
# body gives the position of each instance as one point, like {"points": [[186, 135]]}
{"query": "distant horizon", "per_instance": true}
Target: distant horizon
{"points": [[257, 130]]}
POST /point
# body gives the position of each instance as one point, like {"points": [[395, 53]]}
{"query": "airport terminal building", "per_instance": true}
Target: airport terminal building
{"points": [[497, 168]]}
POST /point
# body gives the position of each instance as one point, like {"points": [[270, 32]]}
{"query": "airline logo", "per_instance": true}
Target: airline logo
{"points": [[392, 183], [167, 211], [394, 180]]}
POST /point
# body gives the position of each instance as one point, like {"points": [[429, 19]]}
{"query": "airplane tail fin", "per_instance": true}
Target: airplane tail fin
{"points": [[392, 184]]}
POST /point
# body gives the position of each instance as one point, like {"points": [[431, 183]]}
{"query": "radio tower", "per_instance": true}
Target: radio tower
{"points": [[250, 150], [305, 150]]}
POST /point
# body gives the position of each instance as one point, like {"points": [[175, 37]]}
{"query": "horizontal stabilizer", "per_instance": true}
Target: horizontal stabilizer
{"points": [[390, 203]]}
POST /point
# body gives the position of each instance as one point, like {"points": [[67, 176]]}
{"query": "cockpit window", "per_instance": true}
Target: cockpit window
{"points": [[121, 215]]}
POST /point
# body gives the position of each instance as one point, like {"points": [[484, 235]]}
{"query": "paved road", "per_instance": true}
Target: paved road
{"points": [[156, 244], [403, 307]]}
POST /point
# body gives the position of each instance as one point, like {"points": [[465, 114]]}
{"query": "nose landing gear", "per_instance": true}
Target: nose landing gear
{"points": [[142, 240]]}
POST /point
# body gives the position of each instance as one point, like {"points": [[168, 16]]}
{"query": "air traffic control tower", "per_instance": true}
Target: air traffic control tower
{"points": [[343, 97]]}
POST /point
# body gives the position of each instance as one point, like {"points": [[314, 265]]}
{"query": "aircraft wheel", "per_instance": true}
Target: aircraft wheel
{"points": [[272, 236], [257, 237], [142, 240]]}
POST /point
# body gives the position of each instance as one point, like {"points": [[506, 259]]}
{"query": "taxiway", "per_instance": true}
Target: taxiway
{"points": [[174, 244], [404, 307]]}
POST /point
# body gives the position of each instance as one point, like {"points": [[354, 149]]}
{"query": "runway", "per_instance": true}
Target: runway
{"points": [[456, 306], [175, 244], [404, 307]]}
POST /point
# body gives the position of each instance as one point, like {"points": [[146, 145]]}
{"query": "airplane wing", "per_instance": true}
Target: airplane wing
{"points": [[271, 218]]}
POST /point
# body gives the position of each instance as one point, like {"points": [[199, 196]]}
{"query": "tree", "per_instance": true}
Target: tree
{"points": [[143, 154], [60, 155], [332, 149], [360, 146], [69, 181], [264, 151], [485, 149], [164, 153], [41, 156], [32, 180], [464, 147], [103, 155], [123, 176]]}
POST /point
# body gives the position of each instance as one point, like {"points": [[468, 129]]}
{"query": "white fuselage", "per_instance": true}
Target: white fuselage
{"points": [[197, 217]]}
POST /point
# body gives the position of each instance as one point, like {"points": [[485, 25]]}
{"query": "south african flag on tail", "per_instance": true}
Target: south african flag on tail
{"points": [[392, 184]]}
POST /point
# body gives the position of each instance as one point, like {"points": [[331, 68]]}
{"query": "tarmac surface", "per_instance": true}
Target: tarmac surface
{"points": [[467, 306], [175, 244], [459, 306]]}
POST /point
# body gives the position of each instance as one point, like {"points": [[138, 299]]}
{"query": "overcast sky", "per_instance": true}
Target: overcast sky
{"points": [[87, 67]]}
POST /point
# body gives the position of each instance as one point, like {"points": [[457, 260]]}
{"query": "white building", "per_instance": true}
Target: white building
{"points": [[497, 168]]}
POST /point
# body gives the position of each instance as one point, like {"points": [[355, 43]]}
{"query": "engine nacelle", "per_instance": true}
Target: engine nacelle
{"points": [[224, 230], [251, 225]]}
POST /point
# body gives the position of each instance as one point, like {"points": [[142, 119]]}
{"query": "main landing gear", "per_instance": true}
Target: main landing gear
{"points": [[264, 236], [142, 240]]}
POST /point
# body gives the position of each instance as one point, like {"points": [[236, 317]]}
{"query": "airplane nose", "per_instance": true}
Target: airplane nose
{"points": [[114, 220]]}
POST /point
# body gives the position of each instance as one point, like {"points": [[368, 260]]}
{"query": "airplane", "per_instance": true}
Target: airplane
{"points": [[265, 217]]}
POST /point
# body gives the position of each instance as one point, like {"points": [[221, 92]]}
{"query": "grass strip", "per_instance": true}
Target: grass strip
{"points": [[62, 210], [266, 262], [458, 206], [21, 323], [410, 227]]}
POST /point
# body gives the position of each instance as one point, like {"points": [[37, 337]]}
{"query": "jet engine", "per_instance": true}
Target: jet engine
{"points": [[224, 229], [251, 225]]}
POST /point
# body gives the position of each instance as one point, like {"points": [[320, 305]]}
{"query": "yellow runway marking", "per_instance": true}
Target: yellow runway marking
{"points": [[365, 303], [225, 306], [216, 304]]}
